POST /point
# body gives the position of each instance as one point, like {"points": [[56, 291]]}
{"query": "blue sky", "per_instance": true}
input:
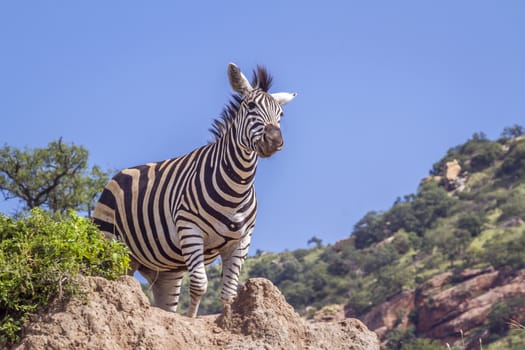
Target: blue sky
{"points": [[385, 88]]}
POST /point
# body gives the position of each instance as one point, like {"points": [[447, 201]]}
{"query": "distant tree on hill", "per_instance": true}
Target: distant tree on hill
{"points": [[513, 131], [316, 241], [432, 202], [513, 166], [369, 230], [475, 155], [56, 177]]}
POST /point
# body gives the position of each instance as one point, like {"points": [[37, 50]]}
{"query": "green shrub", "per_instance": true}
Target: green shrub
{"points": [[475, 155], [484, 155], [503, 312], [472, 222], [432, 202], [369, 230], [423, 344], [397, 337], [513, 207], [513, 166], [40, 256], [506, 255]]}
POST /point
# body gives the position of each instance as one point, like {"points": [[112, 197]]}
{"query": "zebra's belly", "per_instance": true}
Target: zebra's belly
{"points": [[160, 250]]}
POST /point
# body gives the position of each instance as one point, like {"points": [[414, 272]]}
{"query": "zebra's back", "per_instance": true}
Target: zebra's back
{"points": [[137, 207]]}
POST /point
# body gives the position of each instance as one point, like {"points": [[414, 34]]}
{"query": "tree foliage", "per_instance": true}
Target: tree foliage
{"points": [[511, 132], [475, 155], [504, 254], [56, 177], [505, 311], [513, 166], [370, 229]]}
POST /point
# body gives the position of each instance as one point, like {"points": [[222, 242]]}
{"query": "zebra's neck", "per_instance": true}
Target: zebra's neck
{"points": [[236, 163]]}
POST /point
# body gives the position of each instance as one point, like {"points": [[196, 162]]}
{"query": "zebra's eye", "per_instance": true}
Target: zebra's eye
{"points": [[280, 115], [251, 105]]}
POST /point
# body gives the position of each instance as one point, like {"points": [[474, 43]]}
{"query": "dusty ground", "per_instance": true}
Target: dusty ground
{"points": [[117, 315]]}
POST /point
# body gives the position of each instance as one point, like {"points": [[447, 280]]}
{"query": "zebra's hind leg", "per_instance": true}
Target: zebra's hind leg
{"points": [[165, 286], [192, 246]]}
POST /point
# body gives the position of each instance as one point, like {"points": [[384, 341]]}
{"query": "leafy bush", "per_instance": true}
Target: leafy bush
{"points": [[507, 254], [378, 258], [475, 155], [337, 265], [513, 207], [39, 259], [402, 216], [513, 166], [472, 222], [484, 156], [432, 202], [369, 230], [511, 132], [397, 337], [503, 312]]}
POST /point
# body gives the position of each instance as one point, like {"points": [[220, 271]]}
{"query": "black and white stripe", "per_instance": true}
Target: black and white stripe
{"points": [[180, 214]]}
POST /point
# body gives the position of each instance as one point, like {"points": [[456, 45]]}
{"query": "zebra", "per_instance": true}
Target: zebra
{"points": [[180, 214]]}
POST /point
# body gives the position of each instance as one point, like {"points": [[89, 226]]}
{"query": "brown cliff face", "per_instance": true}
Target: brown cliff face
{"points": [[445, 305], [387, 316], [117, 315]]}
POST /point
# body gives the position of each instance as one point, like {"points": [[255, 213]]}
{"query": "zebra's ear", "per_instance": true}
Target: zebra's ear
{"points": [[284, 97], [238, 81]]}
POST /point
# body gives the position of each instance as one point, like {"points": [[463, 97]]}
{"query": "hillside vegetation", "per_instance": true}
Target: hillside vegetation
{"points": [[465, 224], [472, 221]]}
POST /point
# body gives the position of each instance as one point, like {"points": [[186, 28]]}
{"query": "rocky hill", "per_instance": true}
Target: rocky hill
{"points": [[117, 315], [443, 265], [447, 304]]}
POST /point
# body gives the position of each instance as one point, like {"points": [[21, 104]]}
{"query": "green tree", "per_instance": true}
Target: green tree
{"points": [[474, 155], [432, 202], [484, 155], [513, 166], [503, 312], [512, 132], [379, 257], [316, 241], [472, 222], [402, 216], [369, 230], [56, 177], [507, 254], [512, 207]]}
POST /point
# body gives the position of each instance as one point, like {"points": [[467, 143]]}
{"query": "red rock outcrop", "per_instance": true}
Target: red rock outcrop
{"points": [[447, 304], [386, 316]]}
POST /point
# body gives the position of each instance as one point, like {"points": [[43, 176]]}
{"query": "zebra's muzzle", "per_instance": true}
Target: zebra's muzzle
{"points": [[270, 142]]}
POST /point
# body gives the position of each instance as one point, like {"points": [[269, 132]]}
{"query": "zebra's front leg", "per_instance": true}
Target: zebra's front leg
{"points": [[232, 261], [192, 246]]}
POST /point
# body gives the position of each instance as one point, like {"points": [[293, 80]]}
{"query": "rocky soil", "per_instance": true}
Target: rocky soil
{"points": [[117, 315], [447, 304]]}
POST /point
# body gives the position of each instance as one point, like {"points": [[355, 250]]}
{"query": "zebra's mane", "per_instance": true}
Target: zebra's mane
{"points": [[262, 80]]}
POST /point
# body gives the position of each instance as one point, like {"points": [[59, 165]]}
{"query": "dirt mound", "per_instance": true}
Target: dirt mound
{"points": [[117, 315]]}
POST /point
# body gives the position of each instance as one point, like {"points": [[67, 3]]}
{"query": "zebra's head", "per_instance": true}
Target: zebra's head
{"points": [[259, 112]]}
